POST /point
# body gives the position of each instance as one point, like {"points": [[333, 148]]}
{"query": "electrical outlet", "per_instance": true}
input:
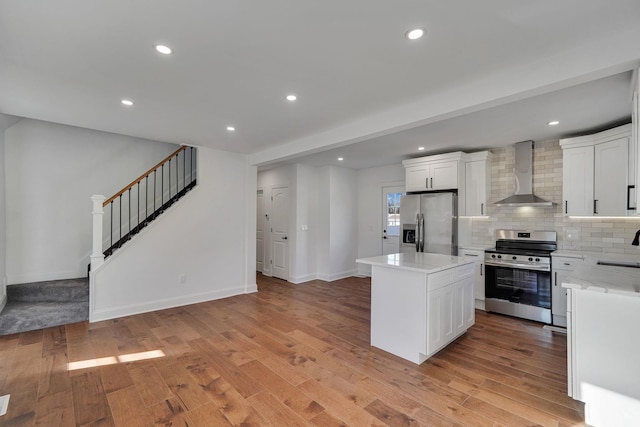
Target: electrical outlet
{"points": [[182, 278]]}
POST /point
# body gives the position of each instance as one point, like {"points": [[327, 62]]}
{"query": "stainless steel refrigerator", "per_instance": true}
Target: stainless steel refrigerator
{"points": [[429, 223]]}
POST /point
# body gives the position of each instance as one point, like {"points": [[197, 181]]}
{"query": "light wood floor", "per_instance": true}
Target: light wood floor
{"points": [[288, 355]]}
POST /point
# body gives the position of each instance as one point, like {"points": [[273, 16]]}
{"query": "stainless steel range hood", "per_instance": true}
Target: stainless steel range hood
{"points": [[523, 175]]}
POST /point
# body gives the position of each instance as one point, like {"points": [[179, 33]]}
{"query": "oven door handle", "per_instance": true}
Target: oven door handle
{"points": [[518, 266]]}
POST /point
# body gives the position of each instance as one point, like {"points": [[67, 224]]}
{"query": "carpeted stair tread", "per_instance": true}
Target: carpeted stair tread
{"points": [[28, 316], [71, 290]]}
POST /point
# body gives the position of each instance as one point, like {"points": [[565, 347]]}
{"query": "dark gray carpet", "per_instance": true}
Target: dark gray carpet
{"points": [[41, 305]]}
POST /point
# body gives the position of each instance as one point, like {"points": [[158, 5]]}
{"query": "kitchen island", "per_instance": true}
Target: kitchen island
{"points": [[603, 343], [420, 302]]}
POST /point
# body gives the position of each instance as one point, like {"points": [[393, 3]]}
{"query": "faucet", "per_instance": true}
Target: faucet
{"points": [[636, 240]]}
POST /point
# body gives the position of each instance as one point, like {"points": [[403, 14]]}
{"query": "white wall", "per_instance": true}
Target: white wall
{"points": [[5, 122], [369, 189], [323, 200], [304, 264], [208, 239], [343, 207], [51, 172], [337, 217]]}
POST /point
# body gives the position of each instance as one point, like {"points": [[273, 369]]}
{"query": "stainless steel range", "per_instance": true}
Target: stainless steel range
{"points": [[518, 274]]}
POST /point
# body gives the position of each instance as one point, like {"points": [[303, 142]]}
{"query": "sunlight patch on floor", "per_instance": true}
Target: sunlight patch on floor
{"points": [[111, 360]]}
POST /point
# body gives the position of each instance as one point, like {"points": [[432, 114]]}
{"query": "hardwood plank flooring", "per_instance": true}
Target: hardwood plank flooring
{"points": [[287, 355]]}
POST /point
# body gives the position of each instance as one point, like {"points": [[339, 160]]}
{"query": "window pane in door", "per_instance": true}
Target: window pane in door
{"points": [[393, 214]]}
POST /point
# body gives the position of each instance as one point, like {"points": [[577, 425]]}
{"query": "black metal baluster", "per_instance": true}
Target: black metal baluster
{"points": [[111, 229], [146, 197], [138, 210], [162, 189], [154, 191], [169, 180], [184, 169], [120, 222], [129, 207]]}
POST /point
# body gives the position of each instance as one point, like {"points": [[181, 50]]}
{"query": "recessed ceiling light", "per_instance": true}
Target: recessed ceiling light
{"points": [[291, 97], [420, 148], [127, 102], [231, 128], [553, 123], [340, 159], [414, 34], [165, 50]]}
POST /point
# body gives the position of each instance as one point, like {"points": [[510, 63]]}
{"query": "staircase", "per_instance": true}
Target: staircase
{"points": [[41, 305], [131, 209], [32, 306]]}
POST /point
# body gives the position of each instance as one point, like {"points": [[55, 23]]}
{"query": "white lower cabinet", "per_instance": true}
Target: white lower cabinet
{"points": [[561, 268], [450, 312], [478, 280]]}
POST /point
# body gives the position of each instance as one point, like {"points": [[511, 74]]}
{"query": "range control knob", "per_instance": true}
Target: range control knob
{"points": [[514, 257], [493, 256], [499, 256], [537, 259], [530, 259]]}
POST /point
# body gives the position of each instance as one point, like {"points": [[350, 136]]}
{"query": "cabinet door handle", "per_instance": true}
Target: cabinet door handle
{"points": [[481, 269], [566, 206], [595, 207], [470, 255], [555, 278], [481, 208], [426, 183], [629, 207], [431, 182]]}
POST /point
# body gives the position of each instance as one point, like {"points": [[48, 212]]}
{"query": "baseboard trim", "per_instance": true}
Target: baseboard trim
{"points": [[338, 276], [96, 315], [303, 279]]}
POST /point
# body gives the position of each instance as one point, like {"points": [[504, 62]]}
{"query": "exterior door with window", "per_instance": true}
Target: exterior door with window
{"points": [[391, 219]]}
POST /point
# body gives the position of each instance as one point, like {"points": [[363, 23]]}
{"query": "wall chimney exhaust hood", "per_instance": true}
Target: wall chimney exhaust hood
{"points": [[523, 175]]}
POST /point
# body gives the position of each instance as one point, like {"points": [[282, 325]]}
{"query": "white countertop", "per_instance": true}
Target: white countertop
{"points": [[602, 278], [417, 261]]}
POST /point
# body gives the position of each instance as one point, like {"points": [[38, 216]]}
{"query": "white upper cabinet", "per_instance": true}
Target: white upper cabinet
{"points": [[477, 183], [439, 172], [597, 170]]}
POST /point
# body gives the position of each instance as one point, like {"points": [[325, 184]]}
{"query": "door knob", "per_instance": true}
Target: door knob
{"points": [[284, 238]]}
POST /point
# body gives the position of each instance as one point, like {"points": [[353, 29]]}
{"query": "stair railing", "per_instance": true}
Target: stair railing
{"points": [[124, 214]]}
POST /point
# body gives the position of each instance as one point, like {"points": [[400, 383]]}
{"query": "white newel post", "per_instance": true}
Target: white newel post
{"points": [[97, 257]]}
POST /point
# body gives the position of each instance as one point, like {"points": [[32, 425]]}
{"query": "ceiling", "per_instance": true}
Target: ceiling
{"points": [[486, 74]]}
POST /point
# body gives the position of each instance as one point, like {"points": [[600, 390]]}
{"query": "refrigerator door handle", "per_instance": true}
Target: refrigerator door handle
{"points": [[417, 238], [422, 233]]}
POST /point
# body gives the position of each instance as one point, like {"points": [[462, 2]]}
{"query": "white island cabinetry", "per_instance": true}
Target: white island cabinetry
{"points": [[603, 344], [420, 302]]}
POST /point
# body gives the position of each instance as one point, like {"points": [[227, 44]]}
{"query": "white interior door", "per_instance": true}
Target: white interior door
{"points": [[391, 219], [260, 231], [280, 232]]}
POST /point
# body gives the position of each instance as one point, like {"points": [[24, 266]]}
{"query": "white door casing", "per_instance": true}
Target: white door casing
{"points": [[391, 220], [260, 230], [279, 228]]}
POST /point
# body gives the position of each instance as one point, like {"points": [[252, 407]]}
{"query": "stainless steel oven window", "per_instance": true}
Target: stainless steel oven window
{"points": [[518, 285]]}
